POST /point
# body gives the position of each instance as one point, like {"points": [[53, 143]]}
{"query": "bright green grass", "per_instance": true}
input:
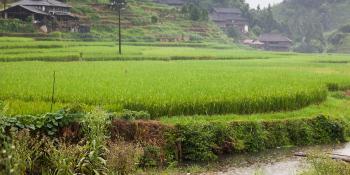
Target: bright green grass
{"points": [[177, 87], [248, 82]]}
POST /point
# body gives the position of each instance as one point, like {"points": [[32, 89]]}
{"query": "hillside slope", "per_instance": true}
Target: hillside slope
{"points": [[142, 21]]}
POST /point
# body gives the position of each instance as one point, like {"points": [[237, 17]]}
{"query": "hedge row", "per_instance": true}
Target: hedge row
{"points": [[205, 142]]}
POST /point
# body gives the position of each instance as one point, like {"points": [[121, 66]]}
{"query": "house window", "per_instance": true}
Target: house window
{"points": [[43, 8]]}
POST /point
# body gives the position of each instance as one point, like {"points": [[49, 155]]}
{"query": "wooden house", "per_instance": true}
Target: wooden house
{"points": [[275, 42], [229, 17], [50, 13], [177, 3]]}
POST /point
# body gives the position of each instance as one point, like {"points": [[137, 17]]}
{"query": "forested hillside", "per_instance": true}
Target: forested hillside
{"points": [[308, 21]]}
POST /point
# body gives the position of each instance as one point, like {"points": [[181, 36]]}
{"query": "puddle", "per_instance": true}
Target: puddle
{"points": [[343, 151], [280, 163], [288, 167]]}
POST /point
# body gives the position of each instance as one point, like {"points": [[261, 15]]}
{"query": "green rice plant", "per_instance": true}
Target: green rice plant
{"points": [[226, 80], [168, 88]]}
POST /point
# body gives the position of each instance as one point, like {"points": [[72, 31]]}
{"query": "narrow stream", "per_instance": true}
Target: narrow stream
{"points": [[277, 162]]}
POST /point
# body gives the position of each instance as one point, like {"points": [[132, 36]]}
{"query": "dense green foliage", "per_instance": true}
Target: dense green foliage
{"points": [[307, 21], [203, 142], [14, 25], [339, 40]]}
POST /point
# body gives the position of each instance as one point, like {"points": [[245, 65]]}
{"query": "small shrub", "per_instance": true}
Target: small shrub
{"points": [[300, 133], [123, 158], [151, 157], [328, 131], [134, 115], [197, 142], [154, 19], [252, 134], [16, 25]]}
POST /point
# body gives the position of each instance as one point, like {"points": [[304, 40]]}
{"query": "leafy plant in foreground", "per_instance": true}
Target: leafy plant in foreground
{"points": [[94, 159]]}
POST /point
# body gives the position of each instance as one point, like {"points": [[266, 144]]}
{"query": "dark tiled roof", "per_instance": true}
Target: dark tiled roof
{"points": [[273, 37], [33, 9], [227, 10], [215, 17], [41, 3], [171, 2]]}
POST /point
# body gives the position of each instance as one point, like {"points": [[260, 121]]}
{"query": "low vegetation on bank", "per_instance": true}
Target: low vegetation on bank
{"points": [[73, 141], [322, 165]]}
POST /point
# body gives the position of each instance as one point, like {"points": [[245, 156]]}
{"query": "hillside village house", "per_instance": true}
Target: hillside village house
{"points": [[177, 3], [229, 17], [44, 13], [275, 42]]}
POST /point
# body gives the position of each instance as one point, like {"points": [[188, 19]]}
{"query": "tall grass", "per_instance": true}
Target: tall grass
{"points": [[170, 88], [326, 166]]}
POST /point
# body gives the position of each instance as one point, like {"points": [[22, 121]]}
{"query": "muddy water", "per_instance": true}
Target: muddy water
{"points": [[277, 162]]}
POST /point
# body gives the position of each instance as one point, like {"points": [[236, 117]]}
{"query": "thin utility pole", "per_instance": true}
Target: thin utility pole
{"points": [[120, 33], [53, 90]]}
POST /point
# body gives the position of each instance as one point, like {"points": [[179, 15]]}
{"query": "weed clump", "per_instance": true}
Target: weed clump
{"points": [[123, 158]]}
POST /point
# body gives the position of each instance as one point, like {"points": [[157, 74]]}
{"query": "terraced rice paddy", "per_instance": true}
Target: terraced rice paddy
{"points": [[213, 101], [23, 49], [281, 82]]}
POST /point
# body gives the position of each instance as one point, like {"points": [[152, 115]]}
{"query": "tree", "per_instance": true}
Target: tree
{"points": [[232, 32], [194, 12], [5, 4], [118, 5]]}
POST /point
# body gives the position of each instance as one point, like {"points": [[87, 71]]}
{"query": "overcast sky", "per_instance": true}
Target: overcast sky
{"points": [[263, 3]]}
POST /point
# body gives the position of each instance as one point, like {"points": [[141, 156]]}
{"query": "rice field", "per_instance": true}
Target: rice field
{"points": [[178, 81], [24, 49], [174, 87]]}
